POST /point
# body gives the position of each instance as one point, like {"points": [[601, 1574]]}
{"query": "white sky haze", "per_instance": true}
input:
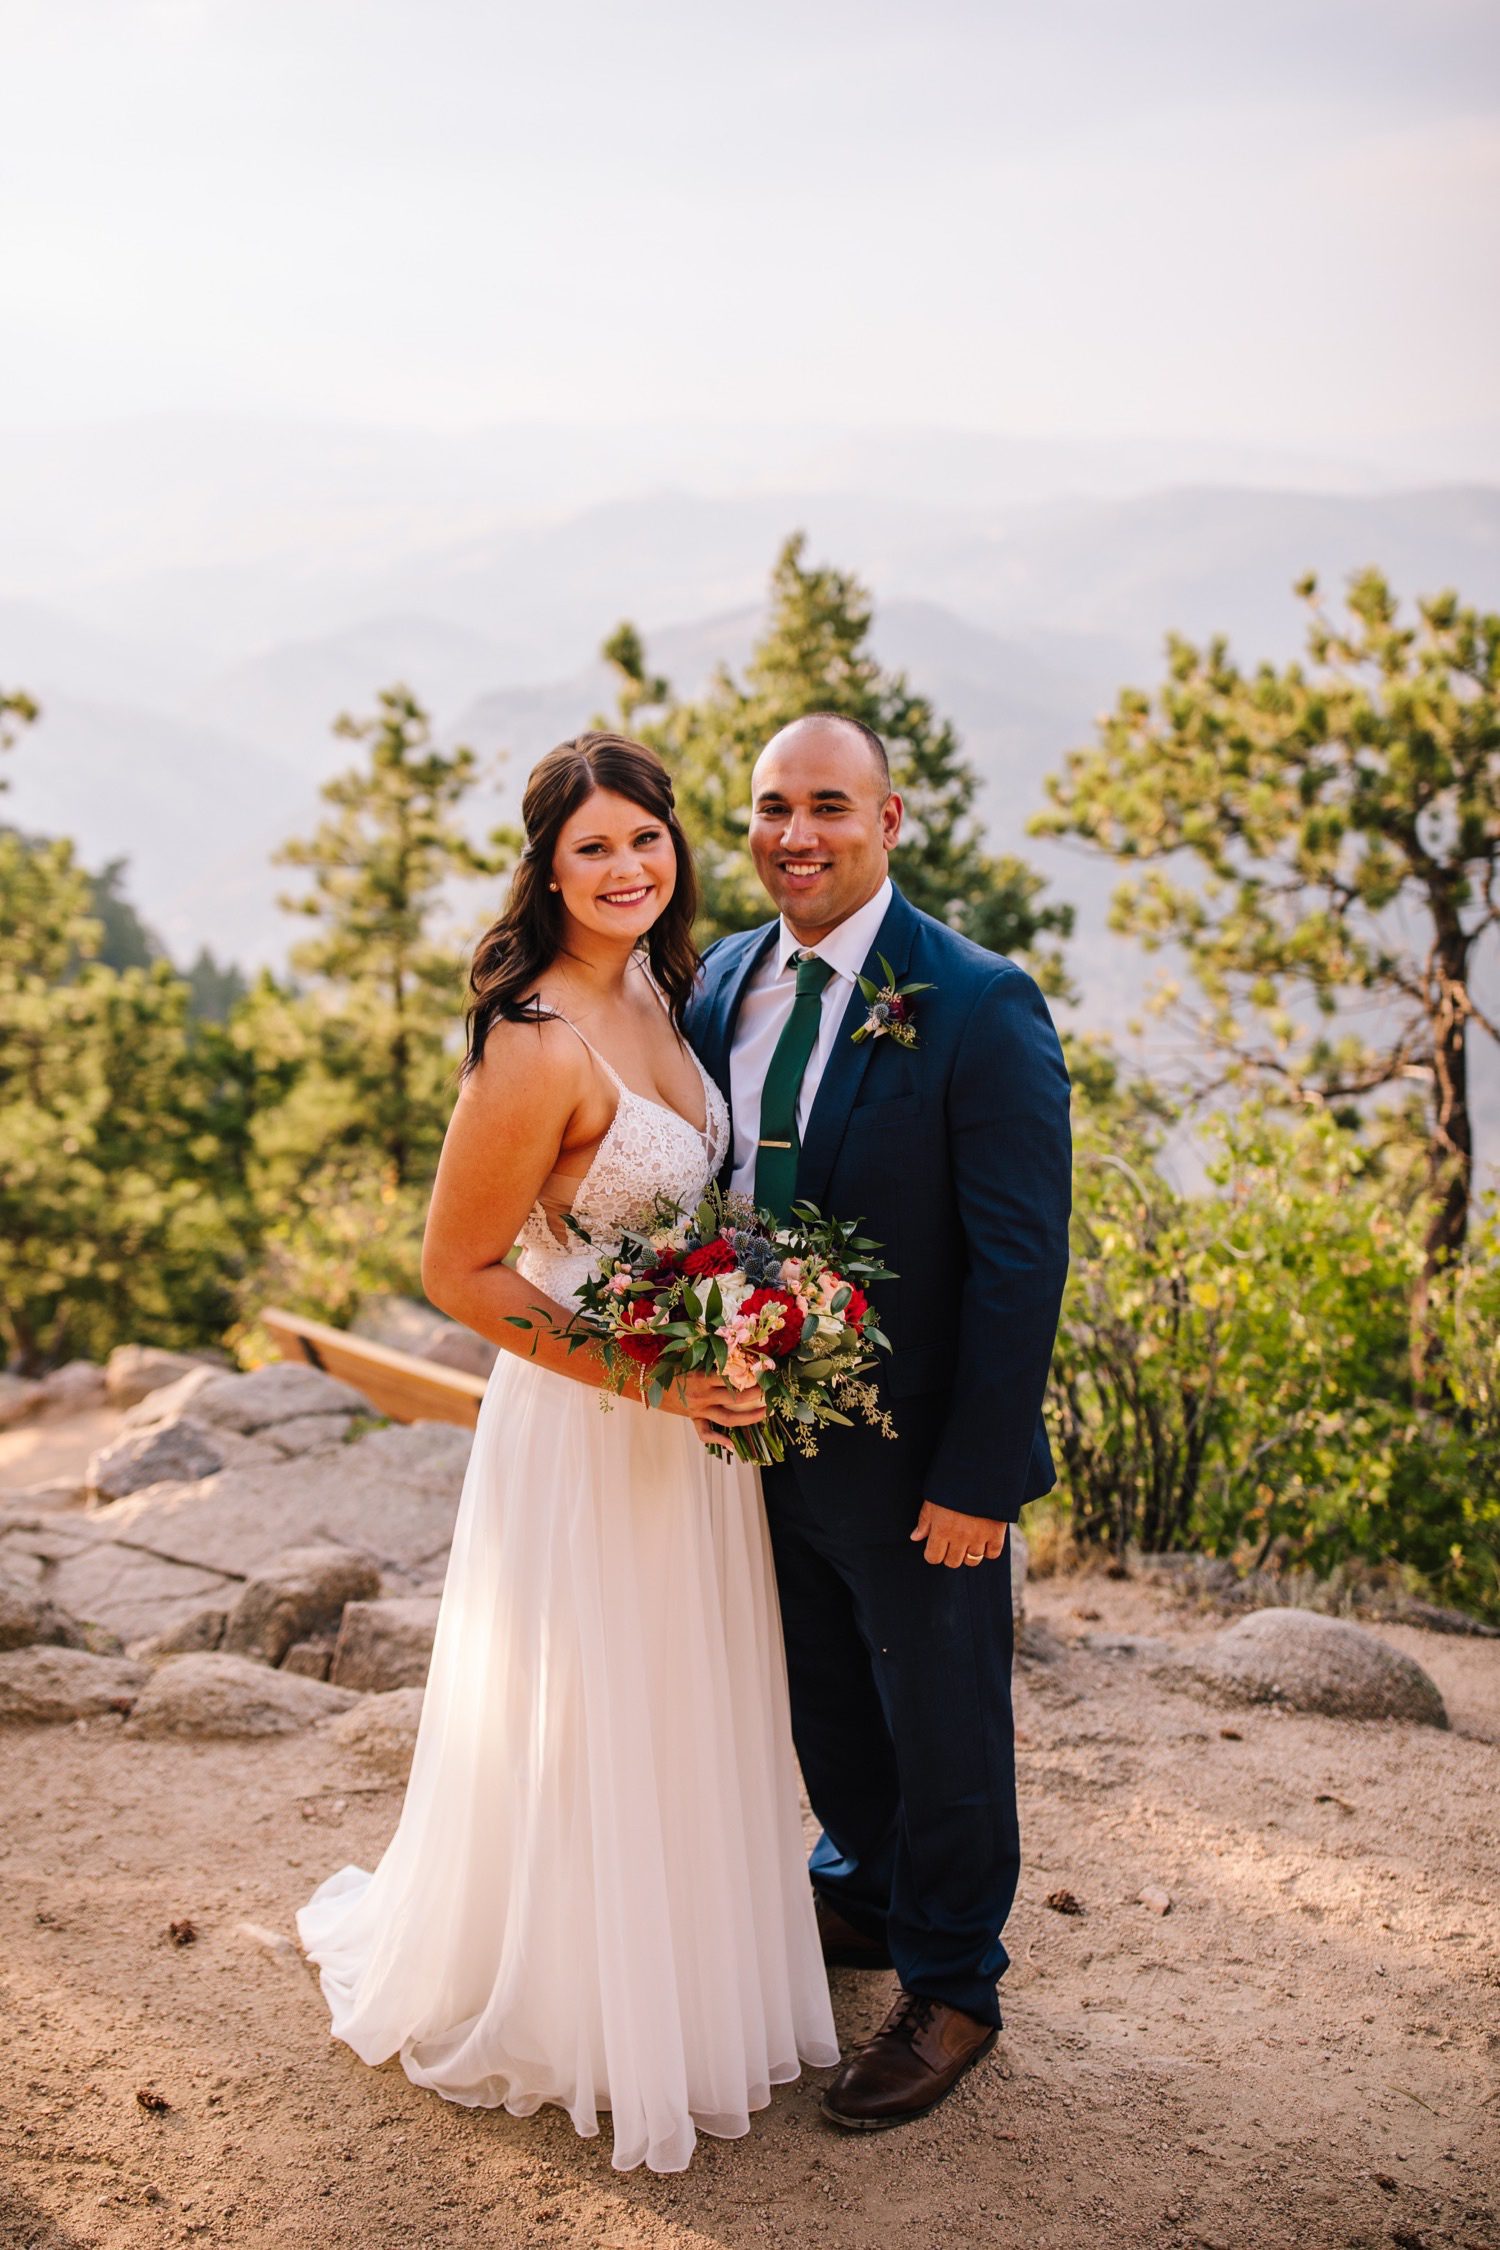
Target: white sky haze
{"points": [[1278, 224]]}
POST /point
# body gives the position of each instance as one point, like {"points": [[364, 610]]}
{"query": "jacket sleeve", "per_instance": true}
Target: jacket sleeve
{"points": [[1010, 1151]]}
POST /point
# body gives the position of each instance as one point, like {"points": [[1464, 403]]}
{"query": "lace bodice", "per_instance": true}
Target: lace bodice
{"points": [[648, 1152]]}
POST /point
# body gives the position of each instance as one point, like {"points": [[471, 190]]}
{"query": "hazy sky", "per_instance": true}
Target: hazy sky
{"points": [[1278, 222]]}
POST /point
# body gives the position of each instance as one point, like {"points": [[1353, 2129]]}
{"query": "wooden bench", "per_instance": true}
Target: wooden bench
{"points": [[399, 1384]]}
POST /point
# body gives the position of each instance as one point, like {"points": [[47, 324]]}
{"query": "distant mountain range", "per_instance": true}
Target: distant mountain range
{"points": [[192, 617]]}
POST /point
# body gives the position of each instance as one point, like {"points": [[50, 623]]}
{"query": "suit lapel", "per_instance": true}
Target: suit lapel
{"points": [[722, 1015], [839, 1086]]}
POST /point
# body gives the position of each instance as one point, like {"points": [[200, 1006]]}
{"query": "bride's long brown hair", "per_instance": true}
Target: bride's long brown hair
{"points": [[527, 938]]}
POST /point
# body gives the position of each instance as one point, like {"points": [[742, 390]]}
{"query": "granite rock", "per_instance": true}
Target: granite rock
{"points": [[28, 1619], [201, 1629], [280, 1392], [297, 1594], [133, 1371], [385, 1644], [381, 1730], [48, 1686], [174, 1453], [1307, 1662], [218, 1695]]}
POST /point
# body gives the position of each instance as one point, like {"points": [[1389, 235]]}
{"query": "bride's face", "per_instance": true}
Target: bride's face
{"points": [[614, 865]]}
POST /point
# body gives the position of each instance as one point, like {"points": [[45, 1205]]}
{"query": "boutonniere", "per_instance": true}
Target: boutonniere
{"points": [[891, 1015]]}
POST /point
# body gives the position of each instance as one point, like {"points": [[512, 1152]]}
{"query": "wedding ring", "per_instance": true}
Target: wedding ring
{"points": [[974, 1554]]}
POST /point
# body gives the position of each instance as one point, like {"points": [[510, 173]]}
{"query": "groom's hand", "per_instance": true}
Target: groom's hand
{"points": [[959, 1540]]}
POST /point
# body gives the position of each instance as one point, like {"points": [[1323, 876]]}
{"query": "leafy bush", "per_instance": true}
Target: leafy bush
{"points": [[1233, 1369]]}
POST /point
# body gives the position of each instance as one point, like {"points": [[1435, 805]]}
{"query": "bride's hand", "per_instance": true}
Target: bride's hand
{"points": [[708, 1399]]}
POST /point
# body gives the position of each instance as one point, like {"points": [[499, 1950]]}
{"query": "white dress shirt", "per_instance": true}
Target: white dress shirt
{"points": [[764, 1008]]}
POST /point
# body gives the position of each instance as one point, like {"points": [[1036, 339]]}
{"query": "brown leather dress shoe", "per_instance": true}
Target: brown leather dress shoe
{"points": [[845, 1947], [916, 2058]]}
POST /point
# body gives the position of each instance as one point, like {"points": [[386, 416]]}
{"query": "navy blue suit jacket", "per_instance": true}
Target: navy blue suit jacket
{"points": [[956, 1155]]}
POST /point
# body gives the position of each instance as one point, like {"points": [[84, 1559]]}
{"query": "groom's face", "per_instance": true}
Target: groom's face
{"points": [[822, 824]]}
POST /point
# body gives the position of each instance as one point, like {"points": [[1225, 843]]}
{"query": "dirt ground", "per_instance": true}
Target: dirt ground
{"points": [[1303, 2051]]}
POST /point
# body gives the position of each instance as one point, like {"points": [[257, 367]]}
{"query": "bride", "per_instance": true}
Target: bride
{"points": [[596, 1894]]}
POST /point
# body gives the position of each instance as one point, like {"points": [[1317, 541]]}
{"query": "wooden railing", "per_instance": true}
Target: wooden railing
{"points": [[399, 1384]]}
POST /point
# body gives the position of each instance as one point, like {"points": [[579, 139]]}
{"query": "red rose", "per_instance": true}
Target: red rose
{"points": [[783, 1339], [854, 1312], [639, 1312], [666, 1269], [900, 1012], [710, 1257]]}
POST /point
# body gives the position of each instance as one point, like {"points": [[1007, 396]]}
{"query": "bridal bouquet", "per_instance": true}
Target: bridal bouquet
{"points": [[776, 1306]]}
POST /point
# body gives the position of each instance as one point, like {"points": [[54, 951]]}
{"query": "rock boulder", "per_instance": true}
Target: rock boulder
{"points": [[381, 1729], [46, 1686], [20, 1397], [29, 1620], [133, 1371], [402, 1324], [296, 1595], [383, 1645], [202, 1629], [310, 1659], [307, 1433], [393, 1494], [133, 1590], [176, 1453], [219, 1694], [48, 1498], [279, 1392], [74, 1388], [1306, 1662], [460, 1348], [171, 1401]]}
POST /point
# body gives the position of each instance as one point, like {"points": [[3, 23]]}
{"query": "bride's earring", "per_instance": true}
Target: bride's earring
{"points": [[554, 886]]}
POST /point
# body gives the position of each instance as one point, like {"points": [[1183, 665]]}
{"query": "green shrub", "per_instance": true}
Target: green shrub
{"points": [[1233, 1365]]}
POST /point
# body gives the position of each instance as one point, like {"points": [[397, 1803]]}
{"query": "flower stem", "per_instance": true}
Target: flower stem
{"points": [[760, 1444]]}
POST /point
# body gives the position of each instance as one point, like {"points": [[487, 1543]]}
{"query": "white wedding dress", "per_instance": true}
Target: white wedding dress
{"points": [[597, 1893]]}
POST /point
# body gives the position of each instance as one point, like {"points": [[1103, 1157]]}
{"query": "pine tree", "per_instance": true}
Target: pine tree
{"points": [[17, 710], [127, 943], [1321, 845], [814, 655], [386, 993], [121, 1210], [217, 987]]}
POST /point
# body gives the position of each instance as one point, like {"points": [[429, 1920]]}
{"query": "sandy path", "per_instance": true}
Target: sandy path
{"points": [[1303, 2052], [55, 1445]]}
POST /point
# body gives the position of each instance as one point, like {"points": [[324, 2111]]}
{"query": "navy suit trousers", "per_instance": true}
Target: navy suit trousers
{"points": [[900, 1675]]}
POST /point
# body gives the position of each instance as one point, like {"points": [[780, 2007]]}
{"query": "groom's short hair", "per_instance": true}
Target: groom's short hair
{"points": [[866, 734]]}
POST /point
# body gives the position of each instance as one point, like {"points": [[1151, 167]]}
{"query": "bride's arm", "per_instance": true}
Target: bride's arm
{"points": [[514, 1115]]}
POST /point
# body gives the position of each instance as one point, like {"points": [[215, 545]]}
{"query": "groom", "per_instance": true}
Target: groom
{"points": [[891, 1557]]}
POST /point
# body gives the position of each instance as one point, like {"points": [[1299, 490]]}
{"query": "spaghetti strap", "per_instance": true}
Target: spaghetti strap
{"points": [[607, 1067], [666, 1008], [628, 1093], [652, 986]]}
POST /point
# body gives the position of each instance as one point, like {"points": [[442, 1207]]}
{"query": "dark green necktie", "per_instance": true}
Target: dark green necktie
{"points": [[776, 1157]]}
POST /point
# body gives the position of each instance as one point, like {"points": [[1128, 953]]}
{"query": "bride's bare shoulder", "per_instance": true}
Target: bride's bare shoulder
{"points": [[539, 1060]]}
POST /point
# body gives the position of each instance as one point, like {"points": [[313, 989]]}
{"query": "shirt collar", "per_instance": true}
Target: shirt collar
{"points": [[845, 948]]}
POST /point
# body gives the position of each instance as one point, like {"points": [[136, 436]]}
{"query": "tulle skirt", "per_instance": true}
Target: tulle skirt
{"points": [[597, 1894]]}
